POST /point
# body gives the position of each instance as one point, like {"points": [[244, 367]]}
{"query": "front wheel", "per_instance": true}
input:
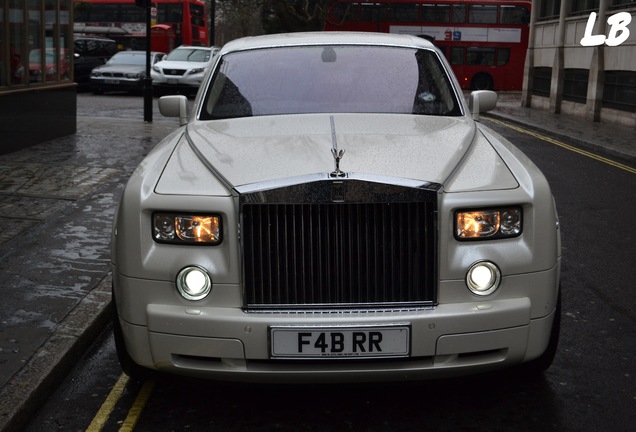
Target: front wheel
{"points": [[544, 361], [482, 81], [128, 365]]}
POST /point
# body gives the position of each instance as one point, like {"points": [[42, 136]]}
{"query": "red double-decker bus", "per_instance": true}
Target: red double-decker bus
{"points": [[124, 21], [485, 41]]}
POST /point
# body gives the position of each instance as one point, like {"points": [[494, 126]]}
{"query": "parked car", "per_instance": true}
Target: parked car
{"points": [[36, 74], [333, 210], [90, 52], [125, 71], [182, 70]]}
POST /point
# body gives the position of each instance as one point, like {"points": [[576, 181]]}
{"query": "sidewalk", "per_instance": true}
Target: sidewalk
{"points": [[57, 201], [606, 139]]}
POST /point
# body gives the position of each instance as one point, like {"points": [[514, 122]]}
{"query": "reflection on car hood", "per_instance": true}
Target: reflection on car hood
{"points": [[259, 149], [167, 64], [123, 68]]}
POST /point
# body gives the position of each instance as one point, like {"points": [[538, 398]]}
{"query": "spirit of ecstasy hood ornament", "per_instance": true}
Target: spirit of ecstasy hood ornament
{"points": [[337, 154]]}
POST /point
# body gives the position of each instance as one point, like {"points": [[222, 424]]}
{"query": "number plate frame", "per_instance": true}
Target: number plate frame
{"points": [[340, 342]]}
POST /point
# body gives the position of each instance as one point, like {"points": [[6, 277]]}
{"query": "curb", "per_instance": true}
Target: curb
{"points": [[588, 145], [28, 389]]}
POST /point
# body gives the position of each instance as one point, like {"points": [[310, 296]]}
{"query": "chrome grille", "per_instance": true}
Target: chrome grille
{"points": [[339, 254]]}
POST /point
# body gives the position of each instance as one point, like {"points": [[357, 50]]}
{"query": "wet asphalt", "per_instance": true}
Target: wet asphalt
{"points": [[57, 202]]}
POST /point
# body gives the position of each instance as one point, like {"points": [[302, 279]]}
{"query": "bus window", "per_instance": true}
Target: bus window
{"points": [[482, 14], [459, 14], [342, 11], [481, 56], [373, 12], [503, 56], [514, 15], [457, 55], [404, 12], [435, 13]]}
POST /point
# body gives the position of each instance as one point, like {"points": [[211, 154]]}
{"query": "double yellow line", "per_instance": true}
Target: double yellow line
{"points": [[111, 401], [565, 146]]}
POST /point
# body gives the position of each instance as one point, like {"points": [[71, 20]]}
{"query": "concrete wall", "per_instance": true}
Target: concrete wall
{"points": [[556, 44], [34, 115]]}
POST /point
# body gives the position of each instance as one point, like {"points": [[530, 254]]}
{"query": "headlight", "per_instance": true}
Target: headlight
{"points": [[196, 71], [493, 223], [134, 75], [186, 228], [483, 278], [194, 283], [156, 69]]}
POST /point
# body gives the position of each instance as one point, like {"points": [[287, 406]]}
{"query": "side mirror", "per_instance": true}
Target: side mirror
{"points": [[174, 106], [481, 101]]}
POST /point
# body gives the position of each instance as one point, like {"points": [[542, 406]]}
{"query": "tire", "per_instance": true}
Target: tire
{"points": [[482, 81], [128, 365]]}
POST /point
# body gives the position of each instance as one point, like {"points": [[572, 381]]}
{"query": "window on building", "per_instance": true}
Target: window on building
{"points": [[42, 63], [619, 91], [541, 81], [614, 4], [549, 9], [575, 84], [18, 48], [36, 45], [4, 65], [578, 7]]}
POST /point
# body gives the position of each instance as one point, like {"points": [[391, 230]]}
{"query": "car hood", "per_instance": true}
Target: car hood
{"points": [[181, 64], [256, 150], [123, 68]]}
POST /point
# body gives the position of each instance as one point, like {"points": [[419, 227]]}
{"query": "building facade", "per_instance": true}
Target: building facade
{"points": [[37, 93], [593, 78]]}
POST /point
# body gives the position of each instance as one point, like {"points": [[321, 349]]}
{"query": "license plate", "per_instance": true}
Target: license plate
{"points": [[111, 81], [173, 81], [340, 342]]}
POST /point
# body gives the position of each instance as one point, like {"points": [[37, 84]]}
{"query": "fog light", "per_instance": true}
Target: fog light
{"points": [[194, 283], [483, 278]]}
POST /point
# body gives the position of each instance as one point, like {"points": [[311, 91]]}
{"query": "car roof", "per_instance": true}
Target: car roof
{"points": [[193, 47], [322, 38]]}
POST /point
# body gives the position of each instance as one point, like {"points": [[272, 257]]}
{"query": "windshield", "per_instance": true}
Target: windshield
{"points": [[128, 58], [192, 55], [330, 79]]}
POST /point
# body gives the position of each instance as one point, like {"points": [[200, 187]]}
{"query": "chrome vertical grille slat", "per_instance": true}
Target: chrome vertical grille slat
{"points": [[339, 254]]}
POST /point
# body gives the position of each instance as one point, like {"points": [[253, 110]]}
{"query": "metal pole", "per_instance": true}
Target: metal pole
{"points": [[148, 78], [212, 12]]}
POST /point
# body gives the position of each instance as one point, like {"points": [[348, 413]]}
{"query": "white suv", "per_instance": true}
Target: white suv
{"points": [[182, 69]]}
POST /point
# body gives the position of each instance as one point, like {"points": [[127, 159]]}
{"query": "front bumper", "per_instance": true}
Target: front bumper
{"points": [[123, 84], [223, 342], [166, 81]]}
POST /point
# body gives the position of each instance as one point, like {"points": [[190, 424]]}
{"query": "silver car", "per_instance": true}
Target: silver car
{"points": [[125, 71], [182, 70], [332, 210]]}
